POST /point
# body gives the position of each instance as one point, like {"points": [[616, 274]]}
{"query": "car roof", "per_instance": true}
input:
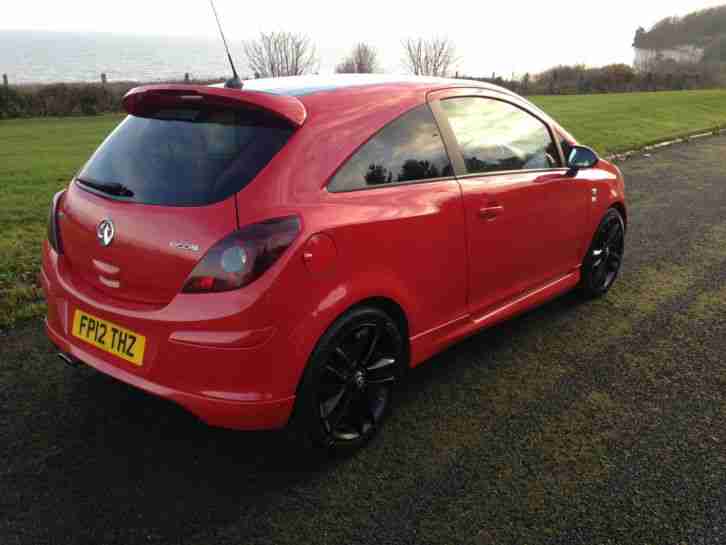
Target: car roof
{"points": [[299, 87], [307, 85]]}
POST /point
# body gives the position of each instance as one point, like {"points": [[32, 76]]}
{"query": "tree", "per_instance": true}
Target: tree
{"points": [[277, 54], [699, 29], [525, 83], [429, 57], [362, 60]]}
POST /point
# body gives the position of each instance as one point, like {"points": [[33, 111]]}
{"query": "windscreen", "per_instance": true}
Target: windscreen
{"points": [[185, 156]]}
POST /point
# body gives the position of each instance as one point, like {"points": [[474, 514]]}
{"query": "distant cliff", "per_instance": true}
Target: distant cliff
{"points": [[646, 59], [697, 37]]}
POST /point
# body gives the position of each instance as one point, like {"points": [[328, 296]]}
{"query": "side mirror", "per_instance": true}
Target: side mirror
{"points": [[580, 158]]}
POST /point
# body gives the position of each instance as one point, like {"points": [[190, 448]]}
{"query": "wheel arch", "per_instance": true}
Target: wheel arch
{"points": [[385, 303], [382, 302], [305, 339], [302, 422], [395, 311], [620, 207]]}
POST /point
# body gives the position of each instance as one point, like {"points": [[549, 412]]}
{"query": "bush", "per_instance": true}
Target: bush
{"points": [[12, 103], [616, 78], [65, 99]]}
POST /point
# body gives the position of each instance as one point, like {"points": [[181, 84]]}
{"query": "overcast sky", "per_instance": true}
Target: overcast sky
{"points": [[491, 36]]}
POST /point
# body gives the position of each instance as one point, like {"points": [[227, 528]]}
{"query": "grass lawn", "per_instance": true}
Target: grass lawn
{"points": [[621, 122], [39, 156]]}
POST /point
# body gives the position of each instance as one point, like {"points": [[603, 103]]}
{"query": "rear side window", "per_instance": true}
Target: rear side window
{"points": [[496, 136], [408, 149], [185, 157]]}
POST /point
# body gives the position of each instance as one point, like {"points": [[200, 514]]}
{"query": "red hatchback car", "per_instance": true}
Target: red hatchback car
{"points": [[279, 255]]}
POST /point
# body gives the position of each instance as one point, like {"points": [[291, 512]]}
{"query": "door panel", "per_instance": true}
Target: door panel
{"points": [[524, 216], [524, 229]]}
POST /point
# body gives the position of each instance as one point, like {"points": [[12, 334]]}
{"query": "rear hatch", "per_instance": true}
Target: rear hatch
{"points": [[159, 192]]}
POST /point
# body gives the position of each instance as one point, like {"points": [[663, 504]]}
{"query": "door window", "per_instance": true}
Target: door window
{"points": [[495, 136]]}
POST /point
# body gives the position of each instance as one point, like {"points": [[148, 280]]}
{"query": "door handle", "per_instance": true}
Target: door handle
{"points": [[490, 213]]}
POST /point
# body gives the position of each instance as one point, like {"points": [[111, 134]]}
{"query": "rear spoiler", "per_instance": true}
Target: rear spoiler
{"points": [[142, 101]]}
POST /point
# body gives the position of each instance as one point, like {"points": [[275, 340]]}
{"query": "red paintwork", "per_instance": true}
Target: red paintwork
{"points": [[320, 255], [527, 243], [153, 272], [454, 256], [137, 100]]}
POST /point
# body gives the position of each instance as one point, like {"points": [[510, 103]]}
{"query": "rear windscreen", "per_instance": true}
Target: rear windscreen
{"points": [[185, 157]]}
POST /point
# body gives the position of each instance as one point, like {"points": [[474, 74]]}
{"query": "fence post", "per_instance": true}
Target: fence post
{"points": [[104, 80], [6, 87]]}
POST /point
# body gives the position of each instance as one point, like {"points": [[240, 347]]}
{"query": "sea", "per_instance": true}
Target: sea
{"points": [[45, 57]]}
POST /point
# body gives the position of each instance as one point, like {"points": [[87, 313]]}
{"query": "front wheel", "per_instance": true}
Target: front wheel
{"points": [[604, 258], [347, 388]]}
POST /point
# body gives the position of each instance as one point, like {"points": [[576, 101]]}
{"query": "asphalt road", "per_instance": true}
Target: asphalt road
{"points": [[598, 422]]}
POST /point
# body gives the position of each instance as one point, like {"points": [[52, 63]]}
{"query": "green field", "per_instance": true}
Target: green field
{"points": [[621, 122], [39, 156]]}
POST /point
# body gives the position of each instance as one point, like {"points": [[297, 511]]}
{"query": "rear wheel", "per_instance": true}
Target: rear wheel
{"points": [[347, 388], [602, 264]]}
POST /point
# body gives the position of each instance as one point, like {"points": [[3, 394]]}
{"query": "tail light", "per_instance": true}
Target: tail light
{"points": [[53, 232], [243, 257]]}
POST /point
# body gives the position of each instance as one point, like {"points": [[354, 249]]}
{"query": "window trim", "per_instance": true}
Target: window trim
{"points": [[561, 170], [392, 185], [340, 167], [455, 148]]}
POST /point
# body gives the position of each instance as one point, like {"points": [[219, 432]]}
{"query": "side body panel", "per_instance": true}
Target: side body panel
{"points": [[360, 271], [409, 238]]}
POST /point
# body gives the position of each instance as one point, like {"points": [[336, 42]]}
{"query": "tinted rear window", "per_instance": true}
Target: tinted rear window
{"points": [[186, 157]]}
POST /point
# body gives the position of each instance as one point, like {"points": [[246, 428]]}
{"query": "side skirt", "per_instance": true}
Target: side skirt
{"points": [[429, 343]]}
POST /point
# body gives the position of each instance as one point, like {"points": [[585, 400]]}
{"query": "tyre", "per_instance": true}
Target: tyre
{"points": [[346, 390], [604, 258]]}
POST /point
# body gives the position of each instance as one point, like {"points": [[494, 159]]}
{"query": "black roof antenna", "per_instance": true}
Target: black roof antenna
{"points": [[235, 82]]}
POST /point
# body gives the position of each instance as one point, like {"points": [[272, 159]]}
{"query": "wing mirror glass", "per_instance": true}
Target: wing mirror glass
{"points": [[580, 158]]}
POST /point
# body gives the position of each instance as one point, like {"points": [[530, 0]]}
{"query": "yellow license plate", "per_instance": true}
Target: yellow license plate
{"points": [[110, 337]]}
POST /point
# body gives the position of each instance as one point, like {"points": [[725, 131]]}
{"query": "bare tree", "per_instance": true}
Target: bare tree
{"points": [[429, 57], [362, 60], [277, 54]]}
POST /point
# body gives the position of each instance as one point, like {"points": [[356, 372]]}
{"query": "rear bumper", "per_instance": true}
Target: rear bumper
{"points": [[206, 358], [215, 412]]}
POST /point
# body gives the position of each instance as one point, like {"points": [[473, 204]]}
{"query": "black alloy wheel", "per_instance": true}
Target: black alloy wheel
{"points": [[605, 256], [347, 389]]}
